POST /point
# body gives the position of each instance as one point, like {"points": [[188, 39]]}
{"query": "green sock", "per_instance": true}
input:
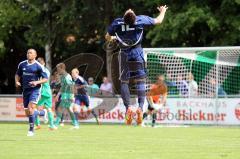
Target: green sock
{"points": [[58, 119], [37, 121], [74, 121], [50, 119]]}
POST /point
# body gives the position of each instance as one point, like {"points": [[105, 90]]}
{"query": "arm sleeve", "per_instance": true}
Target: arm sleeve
{"points": [[111, 30], [146, 20], [69, 80], [43, 73], [19, 70]]}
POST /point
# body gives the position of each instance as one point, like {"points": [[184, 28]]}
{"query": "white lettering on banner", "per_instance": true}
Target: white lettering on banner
{"points": [[200, 103], [224, 111]]}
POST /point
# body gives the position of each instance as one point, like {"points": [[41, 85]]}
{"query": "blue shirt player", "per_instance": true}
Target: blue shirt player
{"points": [[81, 93], [31, 74], [128, 31]]}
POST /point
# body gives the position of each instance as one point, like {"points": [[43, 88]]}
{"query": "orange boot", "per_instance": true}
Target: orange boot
{"points": [[129, 116], [139, 116]]}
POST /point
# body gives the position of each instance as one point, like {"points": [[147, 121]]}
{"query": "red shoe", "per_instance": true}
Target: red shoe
{"points": [[139, 116], [129, 116], [37, 127]]}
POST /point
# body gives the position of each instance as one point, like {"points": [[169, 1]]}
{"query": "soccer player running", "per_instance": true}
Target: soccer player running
{"points": [[31, 74], [128, 31], [81, 93], [67, 96], [45, 100], [156, 98]]}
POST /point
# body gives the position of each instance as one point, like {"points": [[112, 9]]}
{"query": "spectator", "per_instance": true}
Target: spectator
{"points": [[92, 87], [192, 86], [180, 83], [106, 87], [212, 89]]}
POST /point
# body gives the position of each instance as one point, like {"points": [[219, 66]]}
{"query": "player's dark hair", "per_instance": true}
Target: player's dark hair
{"points": [[129, 18]]}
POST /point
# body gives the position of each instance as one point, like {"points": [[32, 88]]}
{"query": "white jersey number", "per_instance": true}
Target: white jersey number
{"points": [[127, 28]]}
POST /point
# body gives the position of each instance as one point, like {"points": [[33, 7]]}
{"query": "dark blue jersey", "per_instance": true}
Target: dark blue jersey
{"points": [[30, 72], [129, 35], [81, 82]]}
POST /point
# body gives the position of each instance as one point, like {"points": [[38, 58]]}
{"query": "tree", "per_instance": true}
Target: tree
{"points": [[198, 23]]}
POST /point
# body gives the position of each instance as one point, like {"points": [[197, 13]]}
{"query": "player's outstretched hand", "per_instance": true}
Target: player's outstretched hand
{"points": [[18, 84], [33, 83], [162, 8]]}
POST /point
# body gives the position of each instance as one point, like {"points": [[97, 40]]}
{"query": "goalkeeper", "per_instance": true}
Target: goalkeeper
{"points": [[129, 34], [156, 98]]}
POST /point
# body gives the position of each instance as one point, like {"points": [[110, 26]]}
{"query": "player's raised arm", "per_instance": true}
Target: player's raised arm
{"points": [[160, 17]]}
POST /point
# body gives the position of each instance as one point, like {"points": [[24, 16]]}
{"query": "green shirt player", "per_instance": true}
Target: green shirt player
{"points": [[67, 95], [45, 100]]}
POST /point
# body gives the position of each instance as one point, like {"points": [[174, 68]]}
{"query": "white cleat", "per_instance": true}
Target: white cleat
{"points": [[143, 124], [30, 133]]}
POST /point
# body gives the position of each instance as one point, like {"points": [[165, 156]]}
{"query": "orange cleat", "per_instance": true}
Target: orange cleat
{"points": [[139, 116], [37, 127], [129, 116]]}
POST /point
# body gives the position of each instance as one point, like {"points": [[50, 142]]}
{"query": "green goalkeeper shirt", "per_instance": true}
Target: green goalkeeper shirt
{"points": [[46, 89], [66, 89]]}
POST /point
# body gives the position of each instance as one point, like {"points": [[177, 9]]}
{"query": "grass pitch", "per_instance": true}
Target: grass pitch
{"points": [[119, 142]]}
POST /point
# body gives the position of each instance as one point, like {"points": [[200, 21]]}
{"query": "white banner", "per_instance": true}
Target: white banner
{"points": [[222, 111]]}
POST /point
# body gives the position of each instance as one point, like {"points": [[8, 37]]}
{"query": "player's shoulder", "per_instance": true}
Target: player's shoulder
{"points": [[118, 21], [81, 79], [22, 63], [140, 17], [68, 76], [40, 66]]}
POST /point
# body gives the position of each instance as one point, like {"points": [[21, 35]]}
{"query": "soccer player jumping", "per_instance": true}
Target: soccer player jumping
{"points": [[31, 74], [128, 31]]}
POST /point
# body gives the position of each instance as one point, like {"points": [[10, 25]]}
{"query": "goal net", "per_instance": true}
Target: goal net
{"points": [[196, 72]]}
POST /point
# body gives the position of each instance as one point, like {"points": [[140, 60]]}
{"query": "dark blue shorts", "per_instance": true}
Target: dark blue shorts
{"points": [[31, 95], [82, 98], [131, 64]]}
